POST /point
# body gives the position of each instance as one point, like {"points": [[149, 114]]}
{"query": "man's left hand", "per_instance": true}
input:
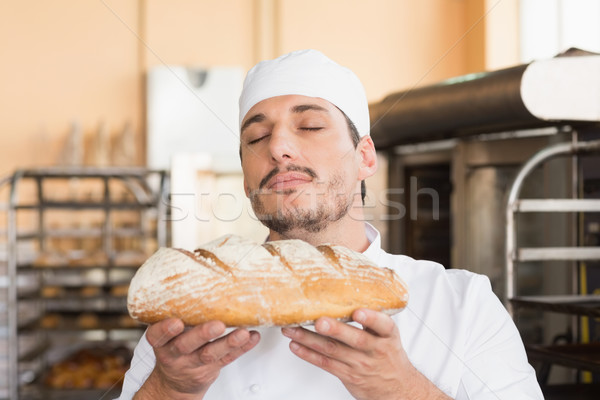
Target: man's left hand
{"points": [[370, 362]]}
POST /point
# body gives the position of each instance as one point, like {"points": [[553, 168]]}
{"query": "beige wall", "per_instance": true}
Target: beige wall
{"points": [[502, 33], [85, 61], [390, 45], [63, 61]]}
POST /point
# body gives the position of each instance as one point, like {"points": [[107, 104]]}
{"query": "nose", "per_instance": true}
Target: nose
{"points": [[282, 144]]}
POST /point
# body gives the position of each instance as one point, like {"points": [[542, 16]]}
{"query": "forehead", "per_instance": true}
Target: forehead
{"points": [[277, 105]]}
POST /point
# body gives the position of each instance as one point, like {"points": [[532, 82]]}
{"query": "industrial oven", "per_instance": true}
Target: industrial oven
{"points": [[497, 173]]}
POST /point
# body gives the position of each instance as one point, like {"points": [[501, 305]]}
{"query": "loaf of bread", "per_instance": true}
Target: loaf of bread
{"points": [[278, 283]]}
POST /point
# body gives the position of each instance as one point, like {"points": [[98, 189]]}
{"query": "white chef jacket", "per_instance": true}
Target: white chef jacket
{"points": [[454, 330]]}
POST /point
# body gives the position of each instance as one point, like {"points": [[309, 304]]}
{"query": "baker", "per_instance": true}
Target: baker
{"points": [[305, 151]]}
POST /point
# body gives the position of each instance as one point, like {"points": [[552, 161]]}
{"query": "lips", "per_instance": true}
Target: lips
{"points": [[287, 181]]}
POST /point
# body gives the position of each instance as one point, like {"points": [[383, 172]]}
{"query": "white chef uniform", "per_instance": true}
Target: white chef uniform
{"points": [[454, 329]]}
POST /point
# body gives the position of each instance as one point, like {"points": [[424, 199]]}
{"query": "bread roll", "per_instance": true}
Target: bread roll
{"points": [[88, 321], [241, 283]]}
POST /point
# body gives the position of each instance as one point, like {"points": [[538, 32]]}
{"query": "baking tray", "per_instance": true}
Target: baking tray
{"points": [[584, 356], [585, 305]]}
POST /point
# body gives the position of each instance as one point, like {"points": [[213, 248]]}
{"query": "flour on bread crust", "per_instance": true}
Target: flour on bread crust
{"points": [[242, 283]]}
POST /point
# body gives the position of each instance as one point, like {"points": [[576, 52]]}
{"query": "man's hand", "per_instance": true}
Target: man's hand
{"points": [[370, 362], [189, 361]]}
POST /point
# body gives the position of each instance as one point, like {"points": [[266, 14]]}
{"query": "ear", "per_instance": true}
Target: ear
{"points": [[368, 157], [246, 189]]}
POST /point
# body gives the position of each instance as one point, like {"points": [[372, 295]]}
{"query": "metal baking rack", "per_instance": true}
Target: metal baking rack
{"points": [[63, 278], [571, 352]]}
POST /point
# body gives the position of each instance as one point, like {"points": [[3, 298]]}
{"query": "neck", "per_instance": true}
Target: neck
{"points": [[347, 232]]}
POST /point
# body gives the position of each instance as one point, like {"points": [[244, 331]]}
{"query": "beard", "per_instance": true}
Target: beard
{"points": [[329, 204]]}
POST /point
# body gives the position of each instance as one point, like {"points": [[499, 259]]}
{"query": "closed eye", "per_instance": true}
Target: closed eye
{"points": [[253, 141], [311, 128]]}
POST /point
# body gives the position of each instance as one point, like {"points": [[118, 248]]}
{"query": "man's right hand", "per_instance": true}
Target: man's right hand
{"points": [[189, 361]]}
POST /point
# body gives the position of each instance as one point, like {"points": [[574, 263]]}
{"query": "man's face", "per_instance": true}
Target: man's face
{"points": [[301, 170]]}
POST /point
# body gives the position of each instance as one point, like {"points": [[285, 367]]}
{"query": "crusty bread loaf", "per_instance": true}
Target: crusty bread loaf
{"points": [[242, 283]]}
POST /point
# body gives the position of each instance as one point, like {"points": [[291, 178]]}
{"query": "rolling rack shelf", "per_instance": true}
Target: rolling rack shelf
{"points": [[65, 278], [580, 356]]}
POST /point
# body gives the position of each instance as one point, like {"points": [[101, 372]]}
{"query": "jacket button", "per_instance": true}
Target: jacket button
{"points": [[255, 388]]}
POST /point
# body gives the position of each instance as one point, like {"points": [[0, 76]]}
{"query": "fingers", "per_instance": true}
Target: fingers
{"points": [[162, 332], [189, 361], [340, 331], [196, 337], [375, 325], [333, 336], [202, 344], [171, 332], [231, 346], [376, 322], [361, 358], [322, 351], [236, 352], [325, 361]]}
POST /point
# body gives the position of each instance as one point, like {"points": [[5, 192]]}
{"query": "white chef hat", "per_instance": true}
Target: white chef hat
{"points": [[307, 73]]}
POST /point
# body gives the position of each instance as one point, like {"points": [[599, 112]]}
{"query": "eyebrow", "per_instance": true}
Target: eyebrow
{"points": [[254, 119], [308, 107], [296, 109]]}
